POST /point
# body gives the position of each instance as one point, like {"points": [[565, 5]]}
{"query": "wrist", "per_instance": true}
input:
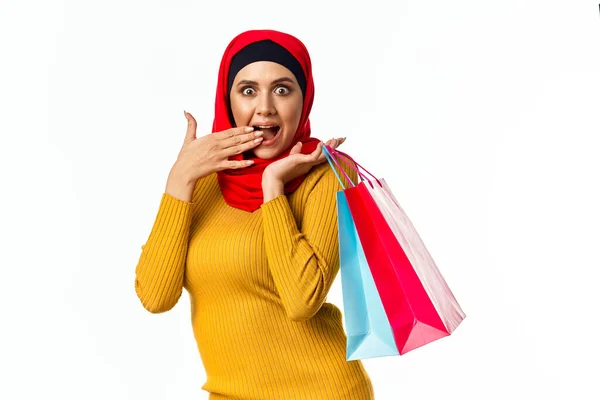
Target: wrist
{"points": [[179, 175], [272, 188], [180, 185]]}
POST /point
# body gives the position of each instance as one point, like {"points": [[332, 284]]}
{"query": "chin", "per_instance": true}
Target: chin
{"points": [[267, 154]]}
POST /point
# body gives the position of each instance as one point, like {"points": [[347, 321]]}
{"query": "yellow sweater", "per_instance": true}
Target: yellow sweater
{"points": [[257, 283]]}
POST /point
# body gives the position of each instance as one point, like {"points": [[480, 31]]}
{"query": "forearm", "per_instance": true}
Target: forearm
{"points": [[160, 269], [302, 272]]}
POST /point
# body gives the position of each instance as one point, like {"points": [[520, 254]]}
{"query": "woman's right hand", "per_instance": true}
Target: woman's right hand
{"points": [[200, 157]]}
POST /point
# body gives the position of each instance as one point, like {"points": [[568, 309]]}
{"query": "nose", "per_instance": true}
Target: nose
{"points": [[265, 104]]}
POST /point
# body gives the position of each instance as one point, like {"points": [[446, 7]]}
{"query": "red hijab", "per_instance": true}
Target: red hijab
{"points": [[242, 188]]}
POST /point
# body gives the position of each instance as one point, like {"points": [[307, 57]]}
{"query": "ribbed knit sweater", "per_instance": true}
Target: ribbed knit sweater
{"points": [[258, 284]]}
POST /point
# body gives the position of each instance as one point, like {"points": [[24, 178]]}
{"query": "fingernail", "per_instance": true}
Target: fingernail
{"points": [[258, 133], [249, 129]]}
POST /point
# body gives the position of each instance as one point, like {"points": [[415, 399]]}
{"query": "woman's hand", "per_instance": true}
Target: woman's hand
{"points": [[278, 173], [200, 157]]}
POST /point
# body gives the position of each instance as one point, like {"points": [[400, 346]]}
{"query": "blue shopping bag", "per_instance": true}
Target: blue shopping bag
{"points": [[368, 330]]}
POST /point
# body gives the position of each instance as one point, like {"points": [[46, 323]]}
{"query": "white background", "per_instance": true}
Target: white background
{"points": [[482, 116]]}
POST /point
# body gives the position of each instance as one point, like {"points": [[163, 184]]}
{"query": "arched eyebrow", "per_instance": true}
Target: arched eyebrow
{"points": [[280, 80]]}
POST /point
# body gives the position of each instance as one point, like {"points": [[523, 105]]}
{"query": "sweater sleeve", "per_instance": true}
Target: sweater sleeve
{"points": [[304, 262], [160, 270]]}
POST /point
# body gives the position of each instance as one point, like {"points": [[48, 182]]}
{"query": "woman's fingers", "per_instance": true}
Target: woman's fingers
{"points": [[242, 147], [229, 164], [242, 138], [339, 141], [297, 148], [190, 134], [316, 156], [238, 140], [333, 143], [231, 133], [321, 157]]}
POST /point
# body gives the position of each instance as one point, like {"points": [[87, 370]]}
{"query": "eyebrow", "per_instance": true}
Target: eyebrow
{"points": [[284, 79]]}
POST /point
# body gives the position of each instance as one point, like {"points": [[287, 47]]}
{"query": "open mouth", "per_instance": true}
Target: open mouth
{"points": [[271, 133]]}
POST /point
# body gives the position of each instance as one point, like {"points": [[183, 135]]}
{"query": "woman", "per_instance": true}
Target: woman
{"points": [[248, 226]]}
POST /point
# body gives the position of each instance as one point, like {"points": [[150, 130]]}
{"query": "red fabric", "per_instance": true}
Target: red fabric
{"points": [[242, 188]]}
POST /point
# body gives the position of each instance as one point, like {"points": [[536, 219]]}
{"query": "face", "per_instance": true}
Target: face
{"points": [[267, 93]]}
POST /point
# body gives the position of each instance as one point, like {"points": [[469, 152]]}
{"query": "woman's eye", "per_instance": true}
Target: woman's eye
{"points": [[248, 91]]}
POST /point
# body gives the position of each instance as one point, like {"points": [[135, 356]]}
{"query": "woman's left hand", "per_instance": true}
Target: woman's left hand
{"points": [[295, 164]]}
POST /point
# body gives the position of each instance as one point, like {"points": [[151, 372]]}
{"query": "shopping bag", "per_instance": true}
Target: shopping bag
{"points": [[419, 305], [368, 330]]}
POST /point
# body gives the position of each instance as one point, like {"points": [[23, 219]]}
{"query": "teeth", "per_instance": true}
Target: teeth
{"points": [[266, 127]]}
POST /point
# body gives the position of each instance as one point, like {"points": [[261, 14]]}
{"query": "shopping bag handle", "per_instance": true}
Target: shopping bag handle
{"points": [[330, 151], [341, 155], [331, 160]]}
